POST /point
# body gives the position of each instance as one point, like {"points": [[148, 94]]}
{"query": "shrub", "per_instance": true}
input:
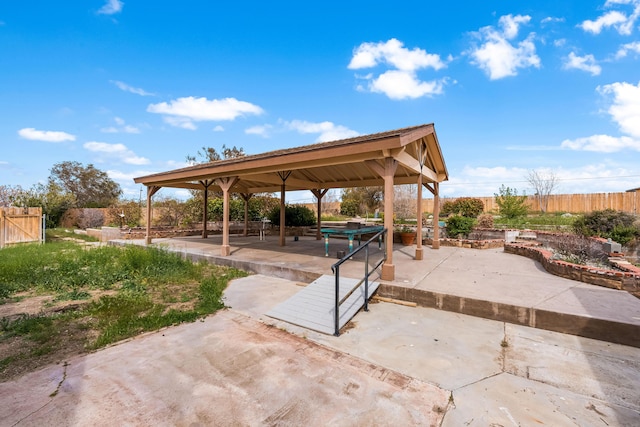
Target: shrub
{"points": [[349, 207], [458, 225], [294, 216], [469, 207], [485, 221], [616, 225], [510, 204]]}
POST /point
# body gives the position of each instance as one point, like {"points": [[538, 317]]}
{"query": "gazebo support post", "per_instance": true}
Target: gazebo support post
{"points": [[246, 198], [436, 216], [225, 184], [319, 193], [435, 190], [283, 176], [205, 206], [387, 173], [419, 249], [151, 190]]}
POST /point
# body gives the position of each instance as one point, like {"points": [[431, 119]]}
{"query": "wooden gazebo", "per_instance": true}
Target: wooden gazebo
{"points": [[404, 156]]}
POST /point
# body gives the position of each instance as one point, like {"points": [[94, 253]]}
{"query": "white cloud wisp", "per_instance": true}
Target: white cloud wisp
{"points": [[183, 112], [327, 131], [118, 151], [586, 63], [45, 135], [111, 7], [127, 88]]}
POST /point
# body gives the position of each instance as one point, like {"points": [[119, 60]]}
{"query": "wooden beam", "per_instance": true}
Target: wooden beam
{"points": [[284, 175], [390, 166], [412, 163], [436, 216], [319, 193], [225, 184], [205, 206], [151, 190]]}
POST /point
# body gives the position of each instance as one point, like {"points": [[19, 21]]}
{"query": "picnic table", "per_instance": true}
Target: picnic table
{"points": [[351, 233]]}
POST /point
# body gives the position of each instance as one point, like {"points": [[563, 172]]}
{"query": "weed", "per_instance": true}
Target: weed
{"points": [[504, 343], [147, 283]]}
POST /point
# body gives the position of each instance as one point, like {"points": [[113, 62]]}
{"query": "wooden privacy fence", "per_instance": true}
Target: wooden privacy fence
{"points": [[575, 203], [20, 225]]}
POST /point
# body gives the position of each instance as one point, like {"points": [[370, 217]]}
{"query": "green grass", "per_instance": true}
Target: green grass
{"points": [[537, 221], [53, 234], [149, 289]]}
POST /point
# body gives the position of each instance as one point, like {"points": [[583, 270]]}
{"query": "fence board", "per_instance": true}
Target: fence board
{"points": [[574, 203], [20, 225]]}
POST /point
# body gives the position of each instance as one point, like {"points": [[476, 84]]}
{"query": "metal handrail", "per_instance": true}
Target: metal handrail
{"points": [[336, 271]]}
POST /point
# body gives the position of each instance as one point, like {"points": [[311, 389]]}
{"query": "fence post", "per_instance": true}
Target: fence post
{"points": [[2, 228]]}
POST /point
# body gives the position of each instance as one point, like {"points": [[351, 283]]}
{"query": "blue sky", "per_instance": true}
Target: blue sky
{"points": [[134, 87]]}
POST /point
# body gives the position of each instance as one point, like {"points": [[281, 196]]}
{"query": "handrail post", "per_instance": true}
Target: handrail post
{"points": [[336, 314], [366, 278]]}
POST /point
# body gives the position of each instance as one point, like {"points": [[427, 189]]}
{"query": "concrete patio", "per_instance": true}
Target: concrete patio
{"points": [[395, 365], [487, 283]]}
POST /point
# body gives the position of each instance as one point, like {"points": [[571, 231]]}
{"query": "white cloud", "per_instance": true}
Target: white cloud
{"points": [[625, 112], [486, 181], [609, 19], [397, 84], [625, 108], [401, 81], [180, 122], [183, 112], [626, 48], [601, 143], [328, 131], [586, 63], [111, 7], [497, 55], [559, 42], [263, 130], [550, 19], [45, 135], [393, 52], [123, 127], [118, 151], [125, 87], [622, 23], [218, 129]]}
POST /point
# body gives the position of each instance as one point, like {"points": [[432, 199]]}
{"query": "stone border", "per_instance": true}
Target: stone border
{"points": [[468, 243], [621, 280]]}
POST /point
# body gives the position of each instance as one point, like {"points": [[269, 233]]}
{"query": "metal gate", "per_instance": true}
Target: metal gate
{"points": [[20, 225]]}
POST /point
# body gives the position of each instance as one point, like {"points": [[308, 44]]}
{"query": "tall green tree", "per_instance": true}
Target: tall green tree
{"points": [[91, 187], [50, 197], [210, 154], [510, 204], [358, 200]]}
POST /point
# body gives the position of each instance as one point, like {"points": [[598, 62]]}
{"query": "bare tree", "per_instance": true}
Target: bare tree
{"points": [[543, 183]]}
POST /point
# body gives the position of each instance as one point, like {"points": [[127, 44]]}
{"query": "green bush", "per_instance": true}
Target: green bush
{"points": [[619, 226], [511, 205], [458, 225], [349, 207], [469, 207], [294, 216]]}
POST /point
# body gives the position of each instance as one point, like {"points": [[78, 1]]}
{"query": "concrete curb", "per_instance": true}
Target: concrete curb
{"points": [[585, 326]]}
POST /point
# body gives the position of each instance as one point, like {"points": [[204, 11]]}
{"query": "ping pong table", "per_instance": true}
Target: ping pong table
{"points": [[351, 233]]}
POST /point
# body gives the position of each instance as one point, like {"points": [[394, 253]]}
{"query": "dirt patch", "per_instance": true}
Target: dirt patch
{"points": [[20, 352], [31, 304]]}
